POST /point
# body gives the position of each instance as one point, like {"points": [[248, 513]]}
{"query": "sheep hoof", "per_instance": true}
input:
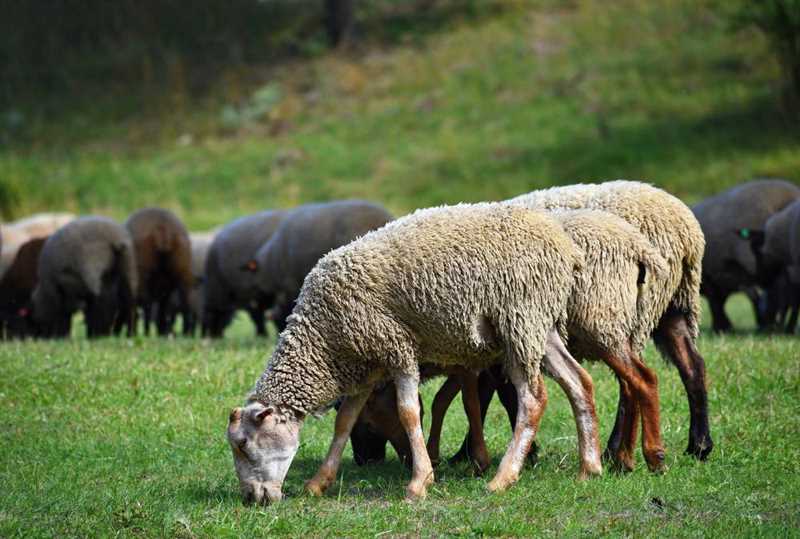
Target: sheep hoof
{"points": [[590, 470], [499, 484], [416, 491], [316, 487], [700, 449]]}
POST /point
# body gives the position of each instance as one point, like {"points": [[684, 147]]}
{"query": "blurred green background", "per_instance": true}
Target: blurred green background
{"points": [[220, 109]]}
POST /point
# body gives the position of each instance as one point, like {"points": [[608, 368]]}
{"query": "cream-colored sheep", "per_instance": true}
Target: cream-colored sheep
{"points": [[669, 225], [468, 285]]}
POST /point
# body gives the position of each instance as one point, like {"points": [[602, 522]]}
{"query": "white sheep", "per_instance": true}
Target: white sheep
{"points": [[670, 226], [468, 285]]}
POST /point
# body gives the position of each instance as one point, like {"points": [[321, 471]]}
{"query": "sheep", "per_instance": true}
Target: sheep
{"points": [[35, 226], [669, 225], [163, 265], [609, 318], [304, 236], [229, 283], [728, 263], [16, 288], [777, 253], [88, 263], [467, 285]]}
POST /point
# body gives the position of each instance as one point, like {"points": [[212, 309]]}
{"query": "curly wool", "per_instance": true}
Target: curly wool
{"points": [[466, 285], [664, 220], [74, 260], [609, 310]]}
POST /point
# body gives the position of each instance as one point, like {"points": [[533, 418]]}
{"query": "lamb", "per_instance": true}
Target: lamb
{"points": [[305, 235], [777, 252], [672, 229], [16, 288], [468, 286], [35, 226], [609, 318], [229, 283], [163, 265], [729, 264], [89, 263]]}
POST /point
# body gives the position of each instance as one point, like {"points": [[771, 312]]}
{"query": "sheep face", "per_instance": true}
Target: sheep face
{"points": [[264, 441]]}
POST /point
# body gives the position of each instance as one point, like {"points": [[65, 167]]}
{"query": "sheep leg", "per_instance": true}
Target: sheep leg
{"points": [[619, 450], [472, 406], [486, 388], [409, 412], [579, 388], [148, 317], [531, 402], [719, 319], [441, 402], [345, 419], [647, 396], [676, 342], [259, 320], [794, 307]]}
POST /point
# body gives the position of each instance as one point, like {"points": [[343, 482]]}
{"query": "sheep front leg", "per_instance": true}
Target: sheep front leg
{"points": [[408, 410], [578, 386], [345, 419], [531, 402]]}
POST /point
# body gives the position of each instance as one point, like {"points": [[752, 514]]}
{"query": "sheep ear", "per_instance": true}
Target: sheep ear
{"points": [[755, 237], [236, 415], [263, 414], [250, 265]]}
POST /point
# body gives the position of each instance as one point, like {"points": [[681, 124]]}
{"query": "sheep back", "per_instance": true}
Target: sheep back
{"points": [[610, 305], [306, 235], [729, 262], [666, 222], [227, 285], [465, 285]]}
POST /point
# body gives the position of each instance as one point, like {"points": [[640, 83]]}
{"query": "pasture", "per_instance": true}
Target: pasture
{"points": [[125, 437]]}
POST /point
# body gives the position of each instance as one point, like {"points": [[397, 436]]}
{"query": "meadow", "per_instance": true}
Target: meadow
{"points": [[125, 437]]}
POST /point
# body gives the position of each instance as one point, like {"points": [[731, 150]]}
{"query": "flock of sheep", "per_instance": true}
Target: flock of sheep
{"points": [[492, 295]]}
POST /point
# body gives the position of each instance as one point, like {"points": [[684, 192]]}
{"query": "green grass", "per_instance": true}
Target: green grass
{"points": [[125, 438], [534, 94]]}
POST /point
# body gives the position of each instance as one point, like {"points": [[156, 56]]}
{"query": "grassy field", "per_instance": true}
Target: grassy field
{"points": [[126, 438]]}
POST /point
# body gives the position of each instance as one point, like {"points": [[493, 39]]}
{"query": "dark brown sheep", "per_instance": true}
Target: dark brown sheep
{"points": [[164, 264], [16, 288]]}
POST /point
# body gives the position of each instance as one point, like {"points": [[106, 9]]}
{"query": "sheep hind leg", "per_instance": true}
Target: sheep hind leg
{"points": [[345, 419], [531, 402], [675, 341], [647, 396], [441, 402], [579, 388], [621, 442], [408, 409], [486, 388], [479, 455]]}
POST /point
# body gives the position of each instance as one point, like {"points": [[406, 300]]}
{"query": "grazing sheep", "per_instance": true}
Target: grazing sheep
{"points": [[468, 286], [163, 265], [609, 317], [777, 252], [229, 283], [304, 236], [17, 233], [16, 288], [728, 263], [669, 225], [87, 264]]}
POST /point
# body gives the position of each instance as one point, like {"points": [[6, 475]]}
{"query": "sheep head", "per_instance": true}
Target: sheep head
{"points": [[264, 440]]}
